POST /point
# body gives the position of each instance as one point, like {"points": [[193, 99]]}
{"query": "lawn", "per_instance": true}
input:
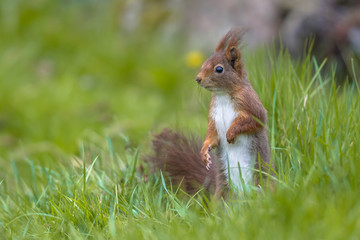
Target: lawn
{"points": [[80, 99]]}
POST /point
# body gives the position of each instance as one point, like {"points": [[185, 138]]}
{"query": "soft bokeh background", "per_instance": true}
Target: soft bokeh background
{"points": [[73, 69], [69, 68], [84, 84]]}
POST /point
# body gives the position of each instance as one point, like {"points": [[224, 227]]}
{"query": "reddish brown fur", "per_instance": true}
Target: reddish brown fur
{"points": [[211, 141], [252, 115], [233, 81], [182, 158]]}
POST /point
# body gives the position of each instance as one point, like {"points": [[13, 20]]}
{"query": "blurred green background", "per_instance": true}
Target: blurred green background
{"points": [[68, 70]]}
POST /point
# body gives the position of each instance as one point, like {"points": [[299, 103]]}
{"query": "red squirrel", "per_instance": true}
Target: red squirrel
{"points": [[236, 129]]}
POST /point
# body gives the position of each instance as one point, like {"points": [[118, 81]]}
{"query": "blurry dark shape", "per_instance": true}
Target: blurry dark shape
{"points": [[334, 28], [354, 38]]}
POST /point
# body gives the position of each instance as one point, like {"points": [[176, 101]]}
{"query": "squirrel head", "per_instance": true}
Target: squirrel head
{"points": [[223, 71]]}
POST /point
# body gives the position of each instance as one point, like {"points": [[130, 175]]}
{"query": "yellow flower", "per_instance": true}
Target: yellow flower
{"points": [[194, 59]]}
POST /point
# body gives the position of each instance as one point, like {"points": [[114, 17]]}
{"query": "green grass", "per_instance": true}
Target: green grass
{"points": [[78, 104]]}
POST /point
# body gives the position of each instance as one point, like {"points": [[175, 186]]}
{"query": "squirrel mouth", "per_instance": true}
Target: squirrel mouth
{"points": [[209, 88], [206, 87], [214, 89]]}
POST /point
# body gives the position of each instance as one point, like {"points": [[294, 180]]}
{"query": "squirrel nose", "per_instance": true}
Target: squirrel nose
{"points": [[198, 80]]}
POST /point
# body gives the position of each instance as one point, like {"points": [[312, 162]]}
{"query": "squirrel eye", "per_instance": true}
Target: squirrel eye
{"points": [[219, 69]]}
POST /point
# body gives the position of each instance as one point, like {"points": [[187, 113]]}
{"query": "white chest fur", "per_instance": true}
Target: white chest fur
{"points": [[238, 154]]}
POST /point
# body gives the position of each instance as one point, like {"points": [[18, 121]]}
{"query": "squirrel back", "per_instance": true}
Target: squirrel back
{"points": [[179, 157]]}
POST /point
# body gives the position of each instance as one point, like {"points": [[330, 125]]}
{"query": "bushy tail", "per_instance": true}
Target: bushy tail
{"points": [[179, 157]]}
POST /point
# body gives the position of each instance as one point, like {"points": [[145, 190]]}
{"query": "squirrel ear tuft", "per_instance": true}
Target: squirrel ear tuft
{"points": [[231, 38], [223, 42]]}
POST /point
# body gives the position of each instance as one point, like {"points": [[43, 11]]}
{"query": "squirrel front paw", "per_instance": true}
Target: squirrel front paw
{"points": [[205, 156], [230, 137]]}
